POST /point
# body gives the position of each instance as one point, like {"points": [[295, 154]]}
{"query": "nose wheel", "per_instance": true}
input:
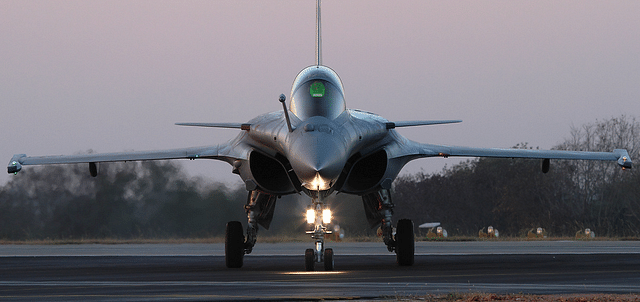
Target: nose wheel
{"points": [[310, 259], [328, 259], [317, 216]]}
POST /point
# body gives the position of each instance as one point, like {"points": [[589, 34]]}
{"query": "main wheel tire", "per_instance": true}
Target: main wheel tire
{"points": [[328, 259], [309, 259], [234, 244], [405, 242]]}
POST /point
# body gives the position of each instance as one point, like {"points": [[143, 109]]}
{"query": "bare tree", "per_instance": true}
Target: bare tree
{"points": [[604, 197]]}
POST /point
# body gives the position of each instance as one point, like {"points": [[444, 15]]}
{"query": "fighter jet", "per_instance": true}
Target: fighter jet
{"points": [[318, 147]]}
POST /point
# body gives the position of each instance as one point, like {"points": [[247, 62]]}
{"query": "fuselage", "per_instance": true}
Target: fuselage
{"points": [[325, 149]]}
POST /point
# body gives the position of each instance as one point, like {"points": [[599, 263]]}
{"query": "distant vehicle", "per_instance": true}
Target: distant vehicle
{"points": [[318, 147]]}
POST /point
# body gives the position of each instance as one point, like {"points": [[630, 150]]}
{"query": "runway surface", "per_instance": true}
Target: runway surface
{"points": [[159, 272]]}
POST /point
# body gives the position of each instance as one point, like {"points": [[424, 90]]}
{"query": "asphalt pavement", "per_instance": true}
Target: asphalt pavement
{"points": [[192, 272]]}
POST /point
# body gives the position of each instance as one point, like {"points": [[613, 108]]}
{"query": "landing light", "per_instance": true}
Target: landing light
{"points": [[318, 183], [326, 216], [311, 216]]}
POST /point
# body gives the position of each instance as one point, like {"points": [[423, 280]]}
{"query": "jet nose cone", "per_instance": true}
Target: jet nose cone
{"points": [[317, 161], [325, 171], [319, 170]]}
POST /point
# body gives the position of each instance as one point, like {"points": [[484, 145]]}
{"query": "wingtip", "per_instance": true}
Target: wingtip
{"points": [[14, 164], [624, 160]]}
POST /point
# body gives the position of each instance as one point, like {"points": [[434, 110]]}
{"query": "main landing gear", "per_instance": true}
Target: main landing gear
{"points": [[405, 244], [318, 215], [378, 209], [234, 244], [259, 208]]}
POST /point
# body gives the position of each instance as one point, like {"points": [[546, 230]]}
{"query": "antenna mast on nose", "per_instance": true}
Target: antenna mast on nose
{"points": [[318, 35]]}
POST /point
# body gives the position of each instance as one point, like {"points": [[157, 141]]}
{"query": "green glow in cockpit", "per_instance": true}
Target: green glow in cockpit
{"points": [[317, 90]]}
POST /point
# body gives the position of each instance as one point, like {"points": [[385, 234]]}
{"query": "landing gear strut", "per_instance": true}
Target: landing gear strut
{"points": [[318, 215]]}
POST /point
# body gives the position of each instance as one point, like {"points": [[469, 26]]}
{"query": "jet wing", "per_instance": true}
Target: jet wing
{"points": [[621, 156], [242, 126], [392, 125], [212, 152]]}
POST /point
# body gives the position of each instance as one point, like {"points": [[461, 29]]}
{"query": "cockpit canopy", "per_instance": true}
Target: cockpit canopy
{"points": [[317, 91]]}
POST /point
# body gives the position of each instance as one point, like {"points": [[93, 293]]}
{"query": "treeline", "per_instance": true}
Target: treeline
{"points": [[513, 195], [127, 200], [154, 199]]}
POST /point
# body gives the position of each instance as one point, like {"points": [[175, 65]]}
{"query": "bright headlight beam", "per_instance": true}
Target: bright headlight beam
{"points": [[318, 183], [311, 216], [326, 216]]}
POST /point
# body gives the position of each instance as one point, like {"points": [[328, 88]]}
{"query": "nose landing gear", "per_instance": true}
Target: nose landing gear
{"points": [[318, 216]]}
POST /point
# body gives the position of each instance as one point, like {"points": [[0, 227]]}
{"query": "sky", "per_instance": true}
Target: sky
{"points": [[113, 76]]}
